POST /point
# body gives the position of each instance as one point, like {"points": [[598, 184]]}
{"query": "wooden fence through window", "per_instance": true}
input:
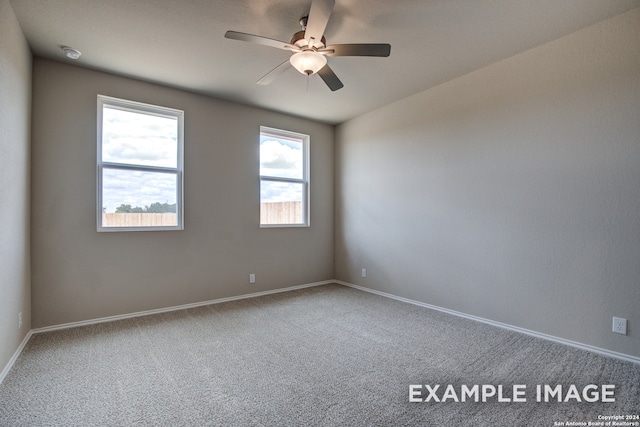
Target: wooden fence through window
{"points": [[270, 213]]}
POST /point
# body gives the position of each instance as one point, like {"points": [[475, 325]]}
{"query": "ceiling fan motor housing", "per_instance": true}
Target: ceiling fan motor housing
{"points": [[299, 41]]}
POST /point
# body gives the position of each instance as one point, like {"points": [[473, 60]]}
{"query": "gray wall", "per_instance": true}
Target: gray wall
{"points": [[511, 193], [79, 274], [15, 110]]}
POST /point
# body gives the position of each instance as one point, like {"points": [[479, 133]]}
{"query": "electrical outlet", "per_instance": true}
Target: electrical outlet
{"points": [[620, 325], [252, 278], [20, 320], [364, 272]]}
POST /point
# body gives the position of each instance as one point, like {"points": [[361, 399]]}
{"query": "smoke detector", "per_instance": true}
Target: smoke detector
{"points": [[71, 53]]}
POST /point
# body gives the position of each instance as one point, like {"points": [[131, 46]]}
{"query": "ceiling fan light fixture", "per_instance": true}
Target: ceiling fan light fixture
{"points": [[308, 62]]}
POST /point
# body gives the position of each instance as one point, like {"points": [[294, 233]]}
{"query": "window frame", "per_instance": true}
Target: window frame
{"points": [[305, 180], [178, 171]]}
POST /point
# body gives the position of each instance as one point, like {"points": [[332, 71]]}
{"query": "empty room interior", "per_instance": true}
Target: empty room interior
{"points": [[418, 200]]}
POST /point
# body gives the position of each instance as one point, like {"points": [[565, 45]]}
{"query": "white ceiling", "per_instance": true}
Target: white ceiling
{"points": [[182, 44]]}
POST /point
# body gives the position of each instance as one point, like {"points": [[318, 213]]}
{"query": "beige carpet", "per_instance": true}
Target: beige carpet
{"points": [[322, 356]]}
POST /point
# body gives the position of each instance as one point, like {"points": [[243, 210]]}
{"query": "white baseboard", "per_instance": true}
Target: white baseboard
{"points": [[175, 308], [564, 341], [15, 356], [587, 347]]}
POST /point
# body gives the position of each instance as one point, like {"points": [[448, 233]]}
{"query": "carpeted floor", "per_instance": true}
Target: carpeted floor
{"points": [[321, 356]]}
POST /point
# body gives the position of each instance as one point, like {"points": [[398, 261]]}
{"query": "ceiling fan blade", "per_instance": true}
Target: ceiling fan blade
{"points": [[330, 78], [244, 37], [319, 15], [273, 74], [366, 49]]}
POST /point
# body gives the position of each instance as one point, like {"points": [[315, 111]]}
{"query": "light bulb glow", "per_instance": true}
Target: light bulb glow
{"points": [[308, 62]]}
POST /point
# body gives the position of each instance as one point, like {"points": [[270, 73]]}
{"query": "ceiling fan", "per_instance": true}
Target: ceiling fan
{"points": [[309, 47]]}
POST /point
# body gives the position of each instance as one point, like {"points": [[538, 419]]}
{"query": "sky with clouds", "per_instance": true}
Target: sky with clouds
{"points": [[149, 140], [139, 139], [283, 158]]}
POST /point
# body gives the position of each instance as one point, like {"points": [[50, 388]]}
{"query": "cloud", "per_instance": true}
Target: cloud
{"points": [[271, 191], [136, 188], [139, 139], [281, 160], [136, 138]]}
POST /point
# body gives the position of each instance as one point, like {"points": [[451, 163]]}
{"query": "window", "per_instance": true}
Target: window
{"points": [[140, 166], [284, 178]]}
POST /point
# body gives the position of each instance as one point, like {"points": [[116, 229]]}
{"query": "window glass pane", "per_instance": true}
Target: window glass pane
{"points": [[281, 203], [281, 157], [138, 199], [138, 138]]}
